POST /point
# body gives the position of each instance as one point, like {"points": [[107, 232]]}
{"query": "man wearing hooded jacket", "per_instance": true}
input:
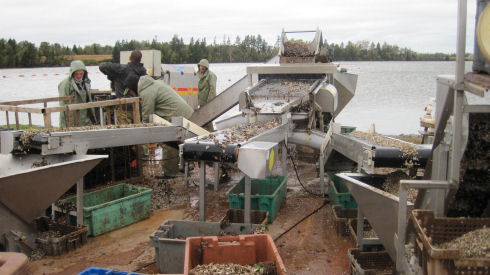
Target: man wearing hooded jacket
{"points": [[77, 85], [160, 99], [207, 83]]}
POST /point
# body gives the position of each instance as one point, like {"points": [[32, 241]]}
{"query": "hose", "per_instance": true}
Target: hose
{"points": [[325, 202], [299, 180]]}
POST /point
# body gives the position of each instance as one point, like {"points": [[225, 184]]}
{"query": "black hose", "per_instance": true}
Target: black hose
{"points": [[325, 202], [143, 267], [299, 180]]}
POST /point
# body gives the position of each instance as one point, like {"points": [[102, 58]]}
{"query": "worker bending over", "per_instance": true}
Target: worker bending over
{"points": [[160, 99]]}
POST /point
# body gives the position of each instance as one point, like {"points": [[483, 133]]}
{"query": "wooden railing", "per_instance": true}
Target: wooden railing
{"points": [[69, 109]]}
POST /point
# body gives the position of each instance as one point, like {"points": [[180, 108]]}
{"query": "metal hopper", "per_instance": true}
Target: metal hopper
{"points": [[378, 206], [29, 184]]}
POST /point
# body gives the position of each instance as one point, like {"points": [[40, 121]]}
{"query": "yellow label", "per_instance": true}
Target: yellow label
{"points": [[271, 160]]}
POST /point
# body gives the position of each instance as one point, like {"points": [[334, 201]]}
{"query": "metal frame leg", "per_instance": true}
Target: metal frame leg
{"points": [[186, 174], [360, 229], [80, 202], [248, 187], [202, 191], [284, 155], [402, 213], [322, 174], [216, 176]]}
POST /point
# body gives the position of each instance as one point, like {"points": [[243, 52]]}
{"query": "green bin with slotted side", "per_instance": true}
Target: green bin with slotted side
{"points": [[266, 194], [114, 207], [339, 193]]}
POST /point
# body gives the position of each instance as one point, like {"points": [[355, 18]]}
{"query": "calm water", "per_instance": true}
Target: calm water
{"points": [[392, 95]]}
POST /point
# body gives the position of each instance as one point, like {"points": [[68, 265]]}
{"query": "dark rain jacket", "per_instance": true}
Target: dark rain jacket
{"points": [[160, 99], [80, 93], [207, 84], [119, 73]]}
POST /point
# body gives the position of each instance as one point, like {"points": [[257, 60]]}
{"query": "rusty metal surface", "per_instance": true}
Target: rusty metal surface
{"points": [[482, 80]]}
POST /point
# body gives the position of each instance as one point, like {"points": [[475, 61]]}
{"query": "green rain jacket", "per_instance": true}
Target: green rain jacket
{"points": [[207, 84], [68, 87], [160, 99]]}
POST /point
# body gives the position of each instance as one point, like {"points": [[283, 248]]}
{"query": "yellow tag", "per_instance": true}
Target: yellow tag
{"points": [[271, 160]]}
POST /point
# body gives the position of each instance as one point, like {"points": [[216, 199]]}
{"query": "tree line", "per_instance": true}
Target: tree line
{"points": [[252, 48], [370, 51]]}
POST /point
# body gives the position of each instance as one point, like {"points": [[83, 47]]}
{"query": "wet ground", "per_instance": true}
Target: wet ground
{"points": [[311, 247]]}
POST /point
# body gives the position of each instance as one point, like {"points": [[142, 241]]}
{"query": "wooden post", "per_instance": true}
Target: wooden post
{"points": [[47, 119], [136, 112], [77, 120], [17, 126], [108, 116], [69, 117], [8, 124], [30, 120]]}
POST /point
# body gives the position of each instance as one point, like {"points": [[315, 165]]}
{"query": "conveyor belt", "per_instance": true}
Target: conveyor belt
{"points": [[372, 155], [277, 95], [210, 151]]}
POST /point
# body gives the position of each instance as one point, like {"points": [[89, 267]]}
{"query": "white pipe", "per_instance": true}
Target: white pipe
{"points": [[459, 93]]}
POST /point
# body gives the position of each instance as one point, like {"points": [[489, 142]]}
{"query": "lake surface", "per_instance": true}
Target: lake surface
{"points": [[392, 95]]}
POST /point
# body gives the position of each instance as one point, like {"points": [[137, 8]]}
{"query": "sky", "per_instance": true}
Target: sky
{"points": [[425, 26]]}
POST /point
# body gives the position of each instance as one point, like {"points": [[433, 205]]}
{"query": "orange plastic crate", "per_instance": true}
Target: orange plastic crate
{"points": [[242, 250]]}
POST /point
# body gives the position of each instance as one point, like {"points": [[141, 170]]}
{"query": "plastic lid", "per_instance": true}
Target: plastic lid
{"points": [[483, 32]]}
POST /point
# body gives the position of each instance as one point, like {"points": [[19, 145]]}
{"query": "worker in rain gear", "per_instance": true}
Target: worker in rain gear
{"points": [[77, 85], [160, 99], [207, 83], [119, 75]]}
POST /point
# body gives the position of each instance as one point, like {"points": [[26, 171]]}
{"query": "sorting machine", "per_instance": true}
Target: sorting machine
{"points": [[35, 177], [295, 103], [298, 103]]}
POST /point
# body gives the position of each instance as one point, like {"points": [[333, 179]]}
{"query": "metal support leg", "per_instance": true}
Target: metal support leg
{"points": [[284, 154], [402, 226], [101, 116], [202, 190], [80, 202], [216, 176], [401, 263], [322, 174], [53, 211], [186, 174], [248, 187], [360, 229]]}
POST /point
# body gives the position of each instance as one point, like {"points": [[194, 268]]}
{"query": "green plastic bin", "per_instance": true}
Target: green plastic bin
{"points": [[266, 194], [347, 129], [338, 192], [114, 207]]}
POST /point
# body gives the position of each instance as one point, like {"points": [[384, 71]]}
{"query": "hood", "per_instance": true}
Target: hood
{"points": [[204, 62], [77, 65], [137, 68], [144, 82]]}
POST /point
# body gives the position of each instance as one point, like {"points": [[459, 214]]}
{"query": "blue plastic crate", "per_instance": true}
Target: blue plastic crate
{"points": [[103, 271]]}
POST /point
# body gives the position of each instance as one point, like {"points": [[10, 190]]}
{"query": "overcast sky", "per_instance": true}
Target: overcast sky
{"points": [[421, 25]]}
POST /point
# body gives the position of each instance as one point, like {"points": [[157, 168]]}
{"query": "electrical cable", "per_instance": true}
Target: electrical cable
{"points": [[145, 266], [299, 180], [325, 202]]}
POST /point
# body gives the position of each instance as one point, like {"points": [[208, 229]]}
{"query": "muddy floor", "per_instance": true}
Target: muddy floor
{"points": [[311, 247]]}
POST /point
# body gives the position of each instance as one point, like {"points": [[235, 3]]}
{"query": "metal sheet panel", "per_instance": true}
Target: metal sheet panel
{"points": [[379, 207], [30, 183], [220, 104], [256, 159]]}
